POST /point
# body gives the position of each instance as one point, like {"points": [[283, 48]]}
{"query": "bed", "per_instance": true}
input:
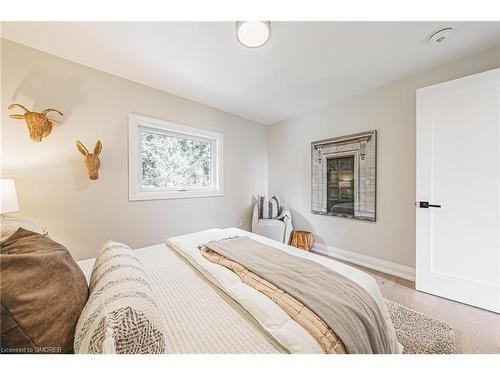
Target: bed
{"points": [[208, 309]]}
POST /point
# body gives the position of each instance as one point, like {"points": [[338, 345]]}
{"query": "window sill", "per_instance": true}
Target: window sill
{"points": [[153, 195]]}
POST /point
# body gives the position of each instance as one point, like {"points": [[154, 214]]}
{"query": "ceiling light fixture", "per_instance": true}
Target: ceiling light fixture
{"points": [[253, 34]]}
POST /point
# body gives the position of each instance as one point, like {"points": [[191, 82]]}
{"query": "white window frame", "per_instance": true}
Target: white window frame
{"points": [[137, 191]]}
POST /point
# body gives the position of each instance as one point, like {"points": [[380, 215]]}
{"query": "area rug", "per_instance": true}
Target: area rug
{"points": [[419, 333]]}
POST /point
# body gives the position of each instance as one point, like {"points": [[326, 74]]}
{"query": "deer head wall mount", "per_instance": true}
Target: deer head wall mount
{"points": [[92, 161], [39, 125]]}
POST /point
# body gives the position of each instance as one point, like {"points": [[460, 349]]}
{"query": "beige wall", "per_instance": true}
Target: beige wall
{"points": [[390, 110], [54, 189], [51, 178]]}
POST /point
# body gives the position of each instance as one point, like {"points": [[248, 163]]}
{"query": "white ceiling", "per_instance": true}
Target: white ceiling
{"points": [[305, 65]]}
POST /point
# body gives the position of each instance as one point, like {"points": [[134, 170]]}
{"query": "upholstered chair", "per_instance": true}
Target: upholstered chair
{"points": [[279, 229]]}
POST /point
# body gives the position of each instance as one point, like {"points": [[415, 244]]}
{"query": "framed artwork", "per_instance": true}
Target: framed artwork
{"points": [[344, 176]]}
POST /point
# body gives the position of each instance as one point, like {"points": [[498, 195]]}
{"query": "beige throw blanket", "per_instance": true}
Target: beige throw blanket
{"points": [[339, 313]]}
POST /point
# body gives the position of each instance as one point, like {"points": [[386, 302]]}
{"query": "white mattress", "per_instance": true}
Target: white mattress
{"points": [[199, 317]]}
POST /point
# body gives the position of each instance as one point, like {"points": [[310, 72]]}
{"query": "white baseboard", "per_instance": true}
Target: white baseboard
{"points": [[376, 264]]}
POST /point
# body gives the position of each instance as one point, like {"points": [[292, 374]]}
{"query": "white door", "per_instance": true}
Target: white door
{"points": [[458, 168]]}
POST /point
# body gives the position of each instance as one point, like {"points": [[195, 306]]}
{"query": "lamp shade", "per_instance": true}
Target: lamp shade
{"points": [[8, 194]]}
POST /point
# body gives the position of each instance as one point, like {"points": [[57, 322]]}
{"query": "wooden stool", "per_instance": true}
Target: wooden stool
{"points": [[302, 240]]}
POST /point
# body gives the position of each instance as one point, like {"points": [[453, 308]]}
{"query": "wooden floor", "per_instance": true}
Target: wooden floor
{"points": [[476, 330]]}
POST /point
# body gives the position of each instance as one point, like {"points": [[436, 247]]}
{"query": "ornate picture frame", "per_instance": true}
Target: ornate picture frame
{"points": [[344, 176]]}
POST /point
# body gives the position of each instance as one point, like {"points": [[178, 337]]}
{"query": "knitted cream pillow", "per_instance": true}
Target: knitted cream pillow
{"points": [[121, 315]]}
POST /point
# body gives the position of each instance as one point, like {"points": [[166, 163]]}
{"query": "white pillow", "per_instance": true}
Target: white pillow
{"points": [[121, 315], [10, 225]]}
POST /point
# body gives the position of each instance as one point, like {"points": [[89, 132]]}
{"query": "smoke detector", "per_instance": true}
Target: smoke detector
{"points": [[440, 36]]}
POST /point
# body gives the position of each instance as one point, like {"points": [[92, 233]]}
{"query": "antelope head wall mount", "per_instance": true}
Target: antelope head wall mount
{"points": [[39, 125], [91, 160]]}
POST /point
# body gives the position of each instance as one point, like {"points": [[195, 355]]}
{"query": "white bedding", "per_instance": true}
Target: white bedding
{"points": [[277, 322], [199, 318]]}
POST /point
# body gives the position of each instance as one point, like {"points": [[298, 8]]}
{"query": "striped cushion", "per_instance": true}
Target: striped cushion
{"points": [[269, 209], [121, 314]]}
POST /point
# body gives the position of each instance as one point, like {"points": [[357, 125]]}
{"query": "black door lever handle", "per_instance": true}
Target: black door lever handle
{"points": [[423, 204]]}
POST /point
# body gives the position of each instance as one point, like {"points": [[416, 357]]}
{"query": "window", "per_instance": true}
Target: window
{"points": [[168, 160]]}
